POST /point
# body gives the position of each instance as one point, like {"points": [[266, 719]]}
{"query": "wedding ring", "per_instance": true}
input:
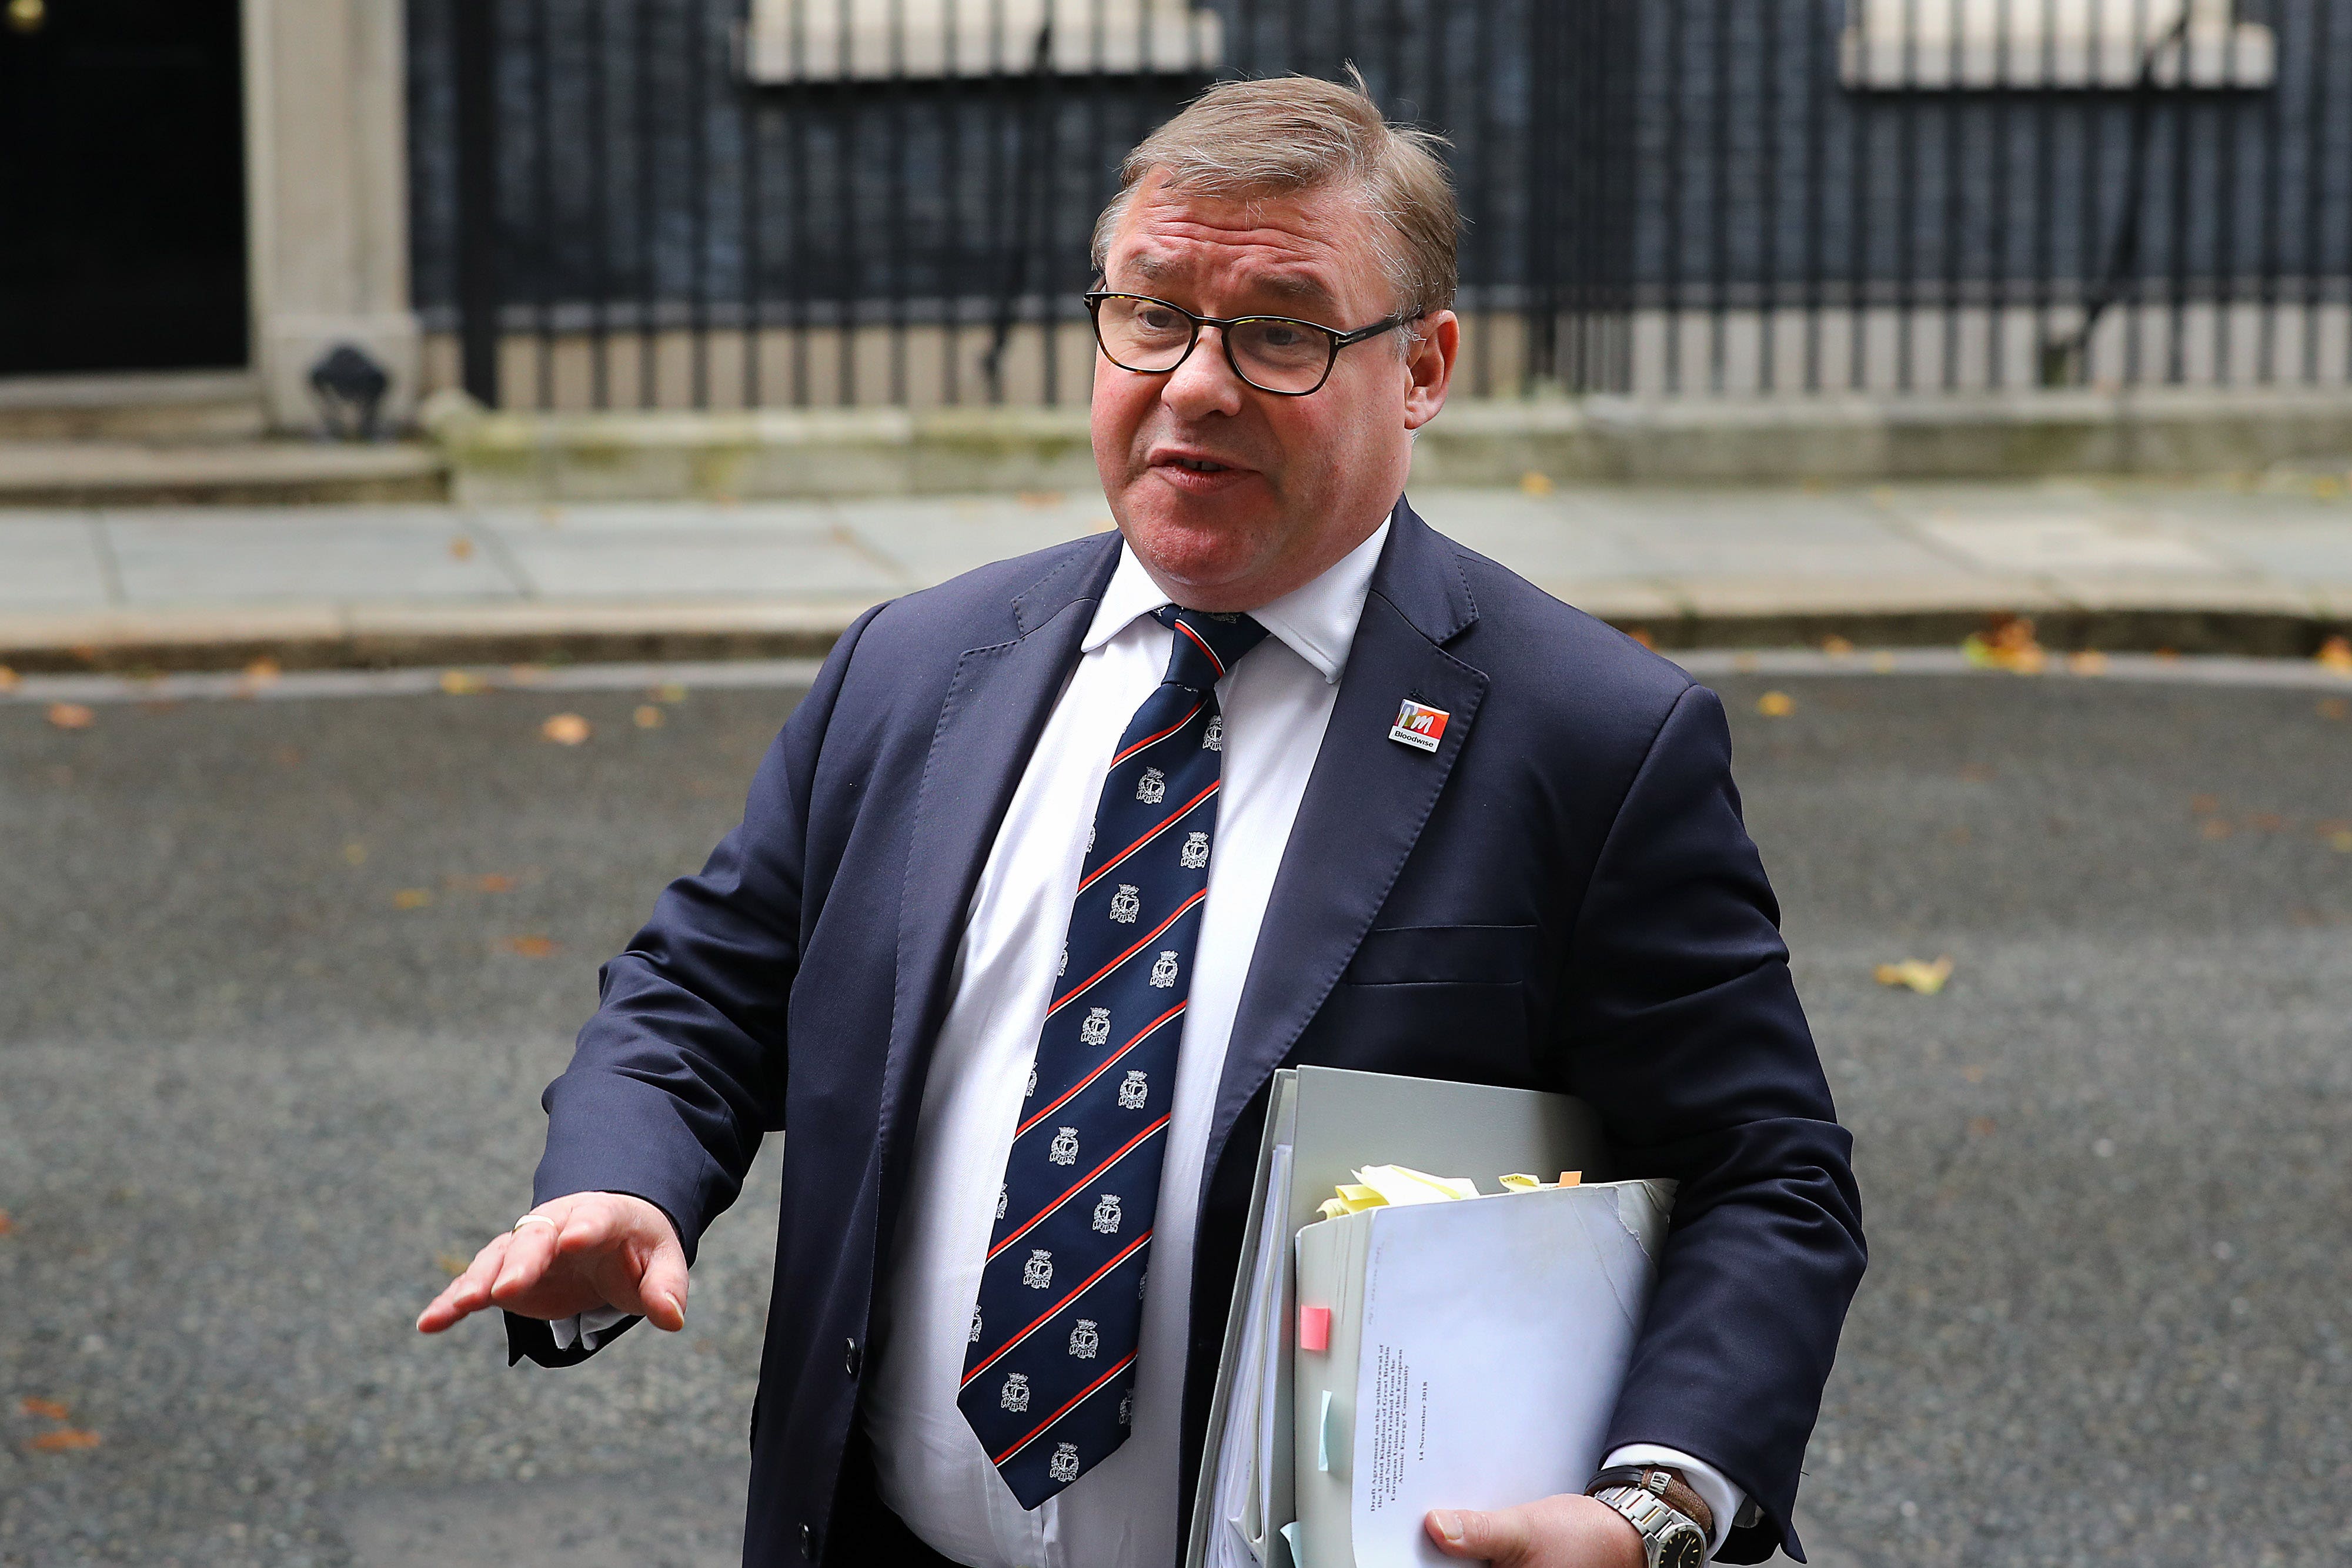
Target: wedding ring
{"points": [[536, 1218]]}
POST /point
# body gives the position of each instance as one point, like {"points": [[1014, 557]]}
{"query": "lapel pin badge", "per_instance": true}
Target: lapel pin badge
{"points": [[1419, 726]]}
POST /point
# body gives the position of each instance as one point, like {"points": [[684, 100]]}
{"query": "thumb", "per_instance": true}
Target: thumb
{"points": [[1501, 1536], [661, 1289]]}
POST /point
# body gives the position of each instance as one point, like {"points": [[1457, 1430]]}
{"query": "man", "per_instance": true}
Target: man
{"points": [[1058, 862]]}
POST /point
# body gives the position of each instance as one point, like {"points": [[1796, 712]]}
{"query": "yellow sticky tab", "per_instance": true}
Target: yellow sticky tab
{"points": [[1400, 1185], [1333, 1208], [1571, 1178], [1519, 1182]]}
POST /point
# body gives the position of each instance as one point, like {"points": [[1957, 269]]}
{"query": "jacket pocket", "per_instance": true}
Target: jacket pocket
{"points": [[1443, 956]]}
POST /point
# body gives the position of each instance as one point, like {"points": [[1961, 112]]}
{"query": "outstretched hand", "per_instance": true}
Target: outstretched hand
{"points": [[1563, 1531], [599, 1250]]}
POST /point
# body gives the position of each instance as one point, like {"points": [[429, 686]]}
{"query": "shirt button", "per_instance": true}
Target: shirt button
{"points": [[850, 1358], [808, 1542]]}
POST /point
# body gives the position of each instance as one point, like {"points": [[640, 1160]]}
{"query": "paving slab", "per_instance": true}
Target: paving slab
{"points": [[2218, 568]]}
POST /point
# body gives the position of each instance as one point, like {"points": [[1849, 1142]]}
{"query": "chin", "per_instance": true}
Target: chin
{"points": [[1183, 541]]}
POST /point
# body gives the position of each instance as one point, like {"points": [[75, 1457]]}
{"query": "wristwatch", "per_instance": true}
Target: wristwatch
{"points": [[1661, 1507]]}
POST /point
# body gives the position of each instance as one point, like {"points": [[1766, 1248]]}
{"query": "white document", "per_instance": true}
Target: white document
{"points": [[1476, 1351]]}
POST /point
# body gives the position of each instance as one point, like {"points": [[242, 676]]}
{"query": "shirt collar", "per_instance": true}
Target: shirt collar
{"points": [[1316, 621]]}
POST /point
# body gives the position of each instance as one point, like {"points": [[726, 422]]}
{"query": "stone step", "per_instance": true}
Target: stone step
{"points": [[169, 406], [246, 472]]}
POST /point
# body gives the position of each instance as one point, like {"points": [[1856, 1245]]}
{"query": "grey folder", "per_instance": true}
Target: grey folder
{"points": [[1321, 1123]]}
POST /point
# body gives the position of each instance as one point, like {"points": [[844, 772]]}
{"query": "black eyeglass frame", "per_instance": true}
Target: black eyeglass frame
{"points": [[1338, 340]]}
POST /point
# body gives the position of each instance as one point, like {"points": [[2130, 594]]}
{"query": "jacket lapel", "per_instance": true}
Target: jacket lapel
{"points": [[996, 705], [1364, 807]]}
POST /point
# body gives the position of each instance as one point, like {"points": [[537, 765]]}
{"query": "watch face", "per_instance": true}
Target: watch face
{"points": [[1682, 1547]]}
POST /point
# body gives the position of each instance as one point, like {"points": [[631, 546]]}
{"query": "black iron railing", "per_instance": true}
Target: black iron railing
{"points": [[723, 203]]}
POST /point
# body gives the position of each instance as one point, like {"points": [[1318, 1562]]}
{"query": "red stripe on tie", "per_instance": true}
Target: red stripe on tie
{"points": [[1076, 1399], [1203, 643], [1051, 1313], [1063, 1098], [1165, 823], [1146, 940], [1155, 739], [1083, 1183]]}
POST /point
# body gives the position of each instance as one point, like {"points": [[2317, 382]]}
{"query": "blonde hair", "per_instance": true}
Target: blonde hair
{"points": [[1288, 134]]}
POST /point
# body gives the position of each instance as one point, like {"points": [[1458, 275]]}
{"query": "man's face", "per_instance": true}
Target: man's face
{"points": [[1229, 496]]}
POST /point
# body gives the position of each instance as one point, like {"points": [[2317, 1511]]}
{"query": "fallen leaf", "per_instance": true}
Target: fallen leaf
{"points": [[462, 682], [286, 757], [411, 898], [453, 1263], [2007, 644], [356, 853], [526, 675], [2168, 654], [2341, 841], [566, 729], [1534, 484], [493, 882], [2089, 661], [1974, 1073], [2336, 654], [263, 670], [1925, 978], [8, 679], [2214, 828], [2204, 805], [2265, 823], [66, 1438], [72, 716], [461, 547], [671, 692], [1976, 773], [529, 946], [1641, 634], [2334, 707], [648, 717], [50, 1409], [6, 1224], [1041, 497], [1835, 646], [1776, 705], [1980, 1126]]}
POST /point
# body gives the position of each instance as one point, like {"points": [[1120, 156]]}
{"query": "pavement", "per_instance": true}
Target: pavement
{"points": [[2256, 567], [286, 977]]}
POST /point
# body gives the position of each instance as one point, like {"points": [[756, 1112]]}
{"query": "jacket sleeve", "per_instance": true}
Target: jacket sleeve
{"points": [[681, 1072], [1686, 1035]]}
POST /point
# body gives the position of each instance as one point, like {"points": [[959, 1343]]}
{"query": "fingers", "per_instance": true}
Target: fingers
{"points": [[638, 1264], [469, 1292], [530, 1248], [661, 1290], [1503, 1536]]}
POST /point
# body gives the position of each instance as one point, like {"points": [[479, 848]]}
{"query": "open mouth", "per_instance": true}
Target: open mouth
{"points": [[1200, 465]]}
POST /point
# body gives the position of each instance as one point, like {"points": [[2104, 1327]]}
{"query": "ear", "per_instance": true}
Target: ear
{"points": [[1429, 362]]}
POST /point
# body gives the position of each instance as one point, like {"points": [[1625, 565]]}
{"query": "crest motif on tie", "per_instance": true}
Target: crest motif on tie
{"points": [[1141, 1280], [1132, 1090], [1096, 1030], [1033, 1082], [1014, 1395], [1065, 1465], [1127, 1409], [1107, 1214], [1084, 1341], [1064, 1150], [1003, 1197], [1163, 970], [1152, 787], [975, 1327], [1195, 853], [1038, 1273], [1125, 903], [1214, 738], [1064, 967]]}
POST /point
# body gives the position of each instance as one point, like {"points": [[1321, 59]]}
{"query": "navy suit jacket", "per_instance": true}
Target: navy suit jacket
{"points": [[1562, 896]]}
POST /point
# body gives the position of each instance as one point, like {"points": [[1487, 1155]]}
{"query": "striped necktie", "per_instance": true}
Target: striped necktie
{"points": [[1049, 1373]]}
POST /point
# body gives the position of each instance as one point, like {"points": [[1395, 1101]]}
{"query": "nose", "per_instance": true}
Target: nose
{"points": [[1204, 383]]}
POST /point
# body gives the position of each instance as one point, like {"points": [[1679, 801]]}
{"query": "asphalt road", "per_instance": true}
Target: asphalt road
{"points": [[248, 1102]]}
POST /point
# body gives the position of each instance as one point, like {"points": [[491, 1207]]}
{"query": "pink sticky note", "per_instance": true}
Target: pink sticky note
{"points": [[1315, 1328]]}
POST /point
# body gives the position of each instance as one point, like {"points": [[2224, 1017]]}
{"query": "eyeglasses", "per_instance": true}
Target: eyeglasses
{"points": [[1273, 353]]}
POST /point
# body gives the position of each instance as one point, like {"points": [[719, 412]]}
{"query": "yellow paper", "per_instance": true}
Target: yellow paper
{"points": [[1399, 1185]]}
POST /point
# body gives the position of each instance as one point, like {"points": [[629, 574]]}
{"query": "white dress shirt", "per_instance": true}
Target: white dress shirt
{"points": [[930, 1466]]}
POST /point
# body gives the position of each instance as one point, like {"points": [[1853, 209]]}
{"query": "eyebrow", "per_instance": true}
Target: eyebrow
{"points": [[1297, 291]]}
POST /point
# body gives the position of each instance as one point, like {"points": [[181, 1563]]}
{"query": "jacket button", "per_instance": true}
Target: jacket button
{"points": [[850, 1358], [808, 1542]]}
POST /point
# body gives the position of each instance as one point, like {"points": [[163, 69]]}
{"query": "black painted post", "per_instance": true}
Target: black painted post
{"points": [[472, 35]]}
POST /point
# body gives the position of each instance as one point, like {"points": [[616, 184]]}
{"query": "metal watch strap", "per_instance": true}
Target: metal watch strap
{"points": [[1676, 1493]]}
